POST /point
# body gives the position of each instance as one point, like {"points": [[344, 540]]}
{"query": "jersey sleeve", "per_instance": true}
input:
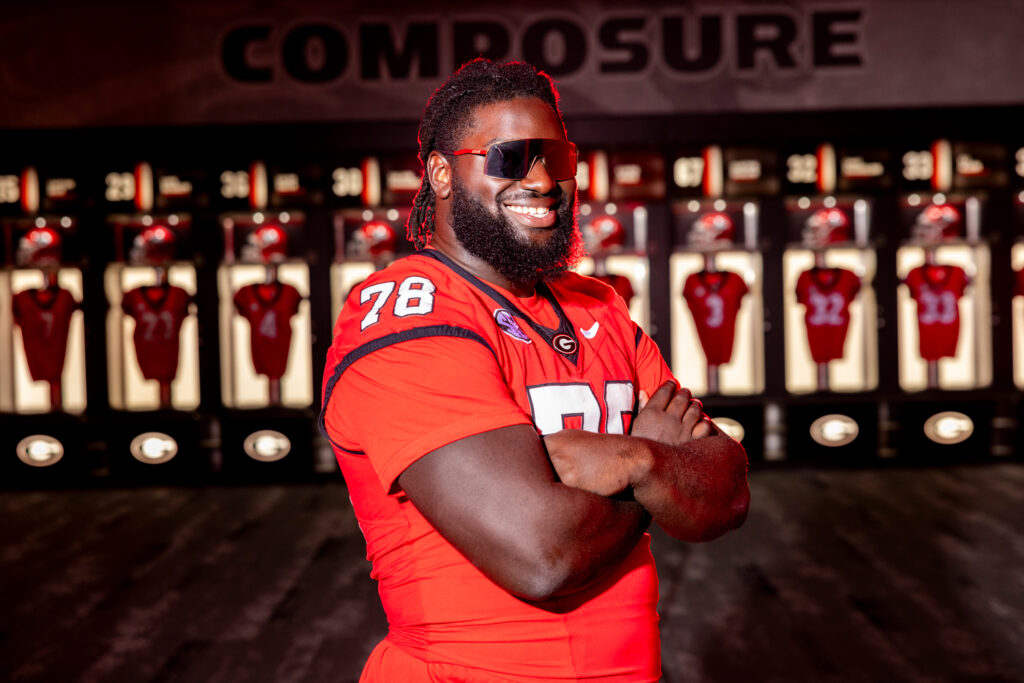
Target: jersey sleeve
{"points": [[802, 283], [240, 299], [128, 302], [961, 280], [407, 399], [651, 369], [16, 305], [853, 285], [294, 300], [741, 286], [913, 281], [689, 285]]}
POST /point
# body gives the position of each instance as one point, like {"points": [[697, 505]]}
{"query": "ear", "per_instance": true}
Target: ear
{"points": [[439, 174]]}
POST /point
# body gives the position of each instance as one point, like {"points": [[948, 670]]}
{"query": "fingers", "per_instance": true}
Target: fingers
{"points": [[644, 398], [662, 396], [704, 428], [679, 404], [693, 415]]}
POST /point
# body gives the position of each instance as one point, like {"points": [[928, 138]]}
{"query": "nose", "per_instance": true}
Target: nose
{"points": [[538, 179]]}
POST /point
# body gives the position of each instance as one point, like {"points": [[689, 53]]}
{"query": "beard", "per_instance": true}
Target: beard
{"points": [[493, 237]]}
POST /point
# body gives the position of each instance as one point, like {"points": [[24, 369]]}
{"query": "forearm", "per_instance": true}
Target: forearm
{"points": [[696, 491], [494, 498]]}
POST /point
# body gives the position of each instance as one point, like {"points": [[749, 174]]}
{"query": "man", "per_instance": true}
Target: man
{"points": [[481, 403]]}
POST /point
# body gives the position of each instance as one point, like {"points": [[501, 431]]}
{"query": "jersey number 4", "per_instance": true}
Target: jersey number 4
{"points": [[415, 297]]}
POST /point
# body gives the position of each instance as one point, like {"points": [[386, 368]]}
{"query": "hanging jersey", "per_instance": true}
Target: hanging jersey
{"points": [[425, 354], [269, 309], [937, 290], [45, 319], [622, 285], [158, 312], [827, 294], [714, 299]]}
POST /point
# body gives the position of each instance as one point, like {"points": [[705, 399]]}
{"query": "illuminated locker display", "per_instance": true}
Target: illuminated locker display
{"points": [[45, 353], [828, 298], [716, 301], [944, 301], [266, 336], [162, 321]]}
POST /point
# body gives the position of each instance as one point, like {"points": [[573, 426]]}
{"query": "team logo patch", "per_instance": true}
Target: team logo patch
{"points": [[509, 326], [564, 344]]}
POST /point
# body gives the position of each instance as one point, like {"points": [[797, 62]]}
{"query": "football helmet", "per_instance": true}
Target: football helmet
{"points": [[602, 234], [938, 222], [712, 229], [375, 238], [39, 247], [153, 245], [268, 243], [826, 226]]}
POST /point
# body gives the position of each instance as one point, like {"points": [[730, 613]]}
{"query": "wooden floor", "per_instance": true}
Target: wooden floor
{"points": [[838, 575]]}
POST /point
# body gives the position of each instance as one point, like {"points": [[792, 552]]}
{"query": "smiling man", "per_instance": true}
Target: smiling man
{"points": [[506, 432]]}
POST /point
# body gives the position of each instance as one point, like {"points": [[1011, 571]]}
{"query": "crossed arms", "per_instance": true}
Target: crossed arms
{"points": [[548, 517]]}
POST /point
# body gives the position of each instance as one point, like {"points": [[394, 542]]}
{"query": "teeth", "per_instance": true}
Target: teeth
{"points": [[529, 210]]}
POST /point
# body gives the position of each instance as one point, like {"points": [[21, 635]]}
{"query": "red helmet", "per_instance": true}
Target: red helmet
{"points": [[826, 226], [375, 238], [39, 247], [154, 245], [604, 233], [938, 222], [712, 228], [268, 243]]}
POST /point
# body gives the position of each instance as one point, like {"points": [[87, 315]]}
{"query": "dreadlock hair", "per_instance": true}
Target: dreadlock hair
{"points": [[448, 115]]}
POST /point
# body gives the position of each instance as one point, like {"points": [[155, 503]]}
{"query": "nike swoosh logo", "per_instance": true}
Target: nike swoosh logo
{"points": [[589, 334]]}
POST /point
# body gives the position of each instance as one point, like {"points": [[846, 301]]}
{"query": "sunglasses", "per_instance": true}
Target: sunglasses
{"points": [[513, 159]]}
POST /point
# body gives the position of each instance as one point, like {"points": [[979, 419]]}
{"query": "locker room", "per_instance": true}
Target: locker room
{"points": [[816, 211]]}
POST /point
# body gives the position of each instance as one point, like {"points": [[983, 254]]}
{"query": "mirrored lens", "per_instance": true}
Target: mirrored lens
{"points": [[560, 158], [513, 159]]}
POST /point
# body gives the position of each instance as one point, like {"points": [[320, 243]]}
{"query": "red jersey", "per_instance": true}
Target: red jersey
{"points": [[937, 290], [714, 299], [45, 318], [622, 285], [269, 309], [827, 294], [1018, 283], [396, 387], [158, 312]]}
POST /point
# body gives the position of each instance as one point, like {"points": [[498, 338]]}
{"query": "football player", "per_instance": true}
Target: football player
{"points": [[505, 430]]}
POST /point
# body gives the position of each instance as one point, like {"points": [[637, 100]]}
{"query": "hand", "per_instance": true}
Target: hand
{"points": [[671, 416]]}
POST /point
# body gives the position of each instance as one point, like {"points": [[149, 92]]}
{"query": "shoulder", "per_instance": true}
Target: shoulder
{"points": [[412, 293]]}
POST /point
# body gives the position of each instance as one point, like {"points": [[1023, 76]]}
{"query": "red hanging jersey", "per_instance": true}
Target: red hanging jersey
{"points": [[269, 309], [937, 290], [158, 312], [714, 299], [622, 285], [425, 354], [827, 294], [45, 318]]}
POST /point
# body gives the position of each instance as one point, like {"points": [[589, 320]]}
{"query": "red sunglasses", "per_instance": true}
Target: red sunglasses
{"points": [[513, 159]]}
